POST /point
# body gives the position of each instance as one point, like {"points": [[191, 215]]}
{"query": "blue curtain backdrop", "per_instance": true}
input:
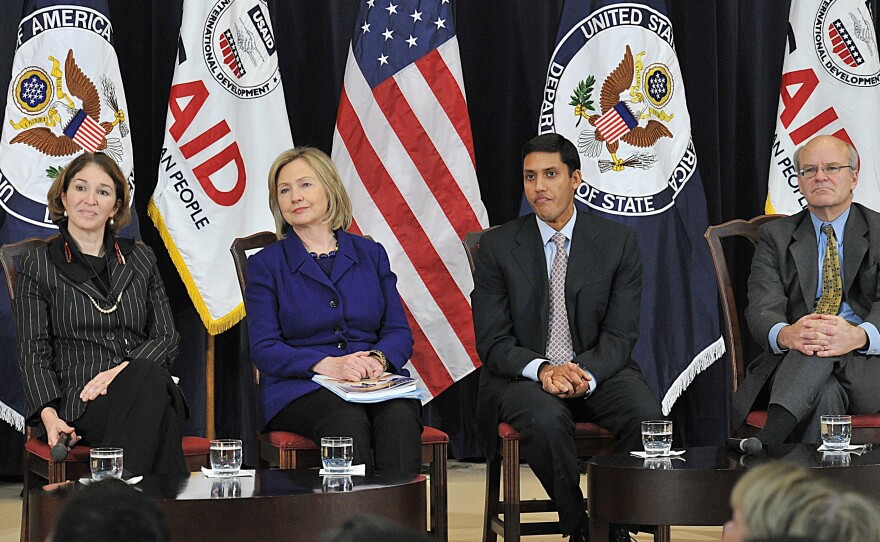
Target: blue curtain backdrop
{"points": [[731, 59]]}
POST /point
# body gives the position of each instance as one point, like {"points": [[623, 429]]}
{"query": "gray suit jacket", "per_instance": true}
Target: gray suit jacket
{"points": [[511, 304], [784, 279], [64, 341]]}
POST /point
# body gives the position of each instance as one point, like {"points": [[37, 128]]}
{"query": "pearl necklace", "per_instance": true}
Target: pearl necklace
{"points": [[109, 275], [103, 310]]}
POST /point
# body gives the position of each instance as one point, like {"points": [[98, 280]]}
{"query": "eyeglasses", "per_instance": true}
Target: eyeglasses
{"points": [[810, 171]]}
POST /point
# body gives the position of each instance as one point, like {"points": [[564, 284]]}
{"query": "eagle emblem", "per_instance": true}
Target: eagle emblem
{"points": [[620, 118], [82, 126]]}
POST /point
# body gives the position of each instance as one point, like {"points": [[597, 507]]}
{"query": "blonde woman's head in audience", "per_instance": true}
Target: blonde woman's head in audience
{"points": [[781, 501]]}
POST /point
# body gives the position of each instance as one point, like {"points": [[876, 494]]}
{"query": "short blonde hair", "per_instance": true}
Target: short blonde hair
{"points": [[111, 168], [778, 500], [338, 215]]}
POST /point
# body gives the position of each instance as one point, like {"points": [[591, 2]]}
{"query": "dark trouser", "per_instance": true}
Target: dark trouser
{"points": [[143, 414], [546, 427], [809, 387], [393, 429]]}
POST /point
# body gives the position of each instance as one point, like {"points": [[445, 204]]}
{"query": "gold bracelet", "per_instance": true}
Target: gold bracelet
{"points": [[381, 357]]}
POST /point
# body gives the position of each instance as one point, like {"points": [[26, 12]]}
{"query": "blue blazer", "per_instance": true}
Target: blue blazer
{"points": [[297, 315]]}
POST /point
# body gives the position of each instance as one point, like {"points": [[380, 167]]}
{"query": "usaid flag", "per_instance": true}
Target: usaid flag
{"points": [[614, 88], [65, 96], [226, 124], [830, 86]]}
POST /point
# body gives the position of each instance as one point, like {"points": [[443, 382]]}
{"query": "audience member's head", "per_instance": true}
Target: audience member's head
{"points": [[778, 501], [368, 529], [110, 510]]}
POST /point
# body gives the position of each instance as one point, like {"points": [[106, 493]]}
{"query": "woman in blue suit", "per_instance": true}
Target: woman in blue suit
{"points": [[324, 301]]}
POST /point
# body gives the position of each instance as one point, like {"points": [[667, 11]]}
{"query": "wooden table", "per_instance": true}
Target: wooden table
{"points": [[273, 505], [628, 490]]}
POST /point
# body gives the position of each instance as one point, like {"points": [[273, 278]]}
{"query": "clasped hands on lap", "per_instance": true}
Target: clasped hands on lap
{"points": [[823, 335], [566, 381], [352, 367]]}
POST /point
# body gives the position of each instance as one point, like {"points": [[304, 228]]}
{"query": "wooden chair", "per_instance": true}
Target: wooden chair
{"points": [[38, 462], [866, 428], [290, 450], [590, 440]]}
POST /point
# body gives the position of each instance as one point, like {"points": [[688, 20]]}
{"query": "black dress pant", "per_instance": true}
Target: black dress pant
{"points": [[142, 413], [392, 429], [546, 427]]}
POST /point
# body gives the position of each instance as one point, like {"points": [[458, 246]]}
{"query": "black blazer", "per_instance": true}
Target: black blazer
{"points": [[784, 280], [64, 341], [511, 304]]}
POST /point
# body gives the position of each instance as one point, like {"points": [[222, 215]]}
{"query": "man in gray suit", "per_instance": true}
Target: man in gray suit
{"points": [[814, 303], [556, 315]]}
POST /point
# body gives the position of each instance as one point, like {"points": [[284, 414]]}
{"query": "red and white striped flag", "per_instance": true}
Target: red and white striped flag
{"points": [[404, 150], [617, 122], [85, 131]]}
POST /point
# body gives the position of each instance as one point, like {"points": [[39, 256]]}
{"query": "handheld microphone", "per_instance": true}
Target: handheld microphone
{"points": [[59, 451], [749, 445]]}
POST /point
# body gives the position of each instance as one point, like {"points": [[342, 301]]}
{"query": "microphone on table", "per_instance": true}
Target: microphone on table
{"points": [[749, 446], [59, 451]]}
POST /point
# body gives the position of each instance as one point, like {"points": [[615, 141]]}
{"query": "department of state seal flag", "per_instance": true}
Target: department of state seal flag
{"points": [[830, 86], [65, 97], [614, 88], [404, 150], [226, 124]]}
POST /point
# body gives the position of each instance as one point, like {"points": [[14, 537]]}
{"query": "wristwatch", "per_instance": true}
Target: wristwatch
{"points": [[381, 357]]}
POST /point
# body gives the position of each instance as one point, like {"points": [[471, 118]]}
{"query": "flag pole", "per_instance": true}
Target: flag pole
{"points": [[209, 386]]}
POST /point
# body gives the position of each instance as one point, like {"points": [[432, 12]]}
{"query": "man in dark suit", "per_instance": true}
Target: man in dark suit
{"points": [[814, 303], [556, 314]]}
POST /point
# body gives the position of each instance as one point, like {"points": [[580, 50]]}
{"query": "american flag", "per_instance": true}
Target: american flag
{"points": [[615, 123], [403, 147], [85, 131]]}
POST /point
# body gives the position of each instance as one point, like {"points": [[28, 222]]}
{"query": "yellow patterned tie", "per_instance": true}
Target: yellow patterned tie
{"points": [[832, 292]]}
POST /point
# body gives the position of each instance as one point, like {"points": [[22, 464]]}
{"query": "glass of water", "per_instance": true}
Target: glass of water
{"points": [[836, 431], [105, 463], [657, 437], [337, 453], [226, 456]]}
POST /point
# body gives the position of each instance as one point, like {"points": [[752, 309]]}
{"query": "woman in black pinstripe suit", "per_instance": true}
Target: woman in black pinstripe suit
{"points": [[95, 332]]}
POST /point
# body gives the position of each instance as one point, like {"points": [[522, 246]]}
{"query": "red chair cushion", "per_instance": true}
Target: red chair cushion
{"points": [[757, 419], [581, 430], [42, 450], [288, 441], [433, 436], [196, 446], [866, 420], [191, 446]]}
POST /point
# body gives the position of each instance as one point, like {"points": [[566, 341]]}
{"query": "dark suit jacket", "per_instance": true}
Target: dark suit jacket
{"points": [[297, 315], [784, 279], [64, 341], [511, 304]]}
